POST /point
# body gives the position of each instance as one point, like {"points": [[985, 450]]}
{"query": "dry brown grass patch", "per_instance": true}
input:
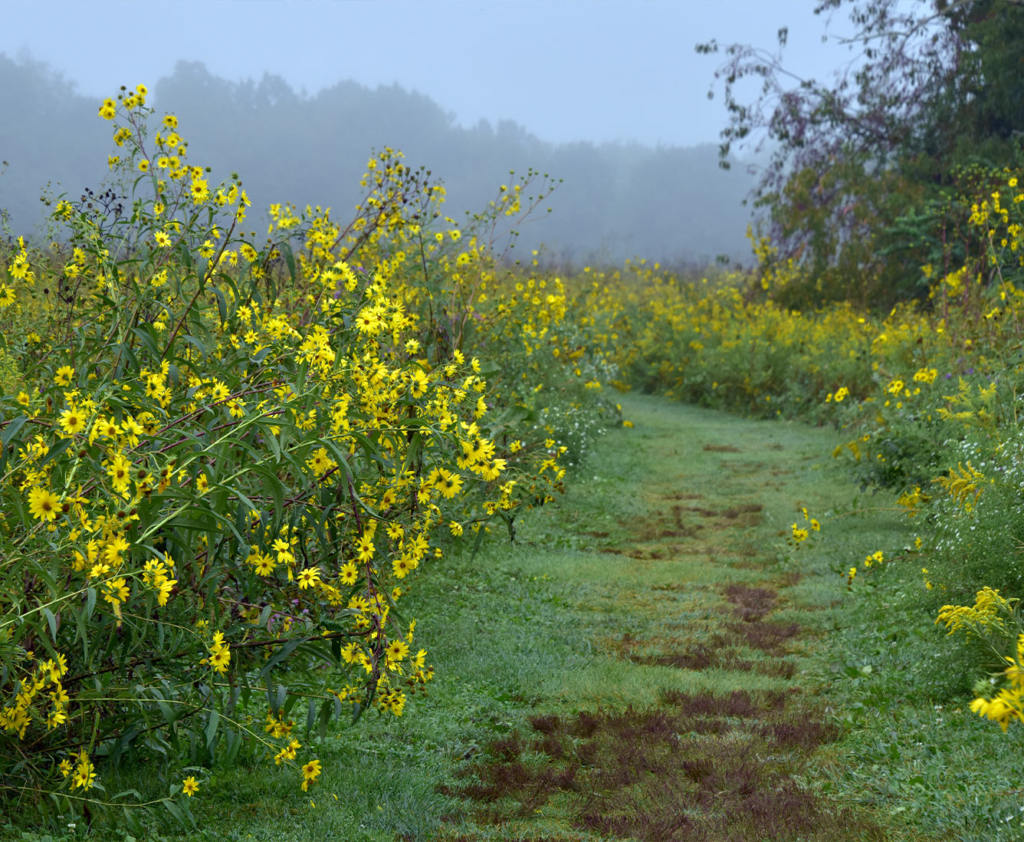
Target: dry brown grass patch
{"points": [[705, 766]]}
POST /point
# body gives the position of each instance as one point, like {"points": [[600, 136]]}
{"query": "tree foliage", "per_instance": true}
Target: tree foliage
{"points": [[855, 160]]}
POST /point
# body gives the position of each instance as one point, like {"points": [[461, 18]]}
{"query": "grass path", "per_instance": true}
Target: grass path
{"points": [[691, 719], [649, 661]]}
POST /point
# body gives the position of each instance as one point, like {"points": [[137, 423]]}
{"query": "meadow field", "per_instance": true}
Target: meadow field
{"points": [[376, 529]]}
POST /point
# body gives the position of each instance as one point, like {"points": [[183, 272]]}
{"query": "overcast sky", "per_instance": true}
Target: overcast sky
{"points": [[611, 70]]}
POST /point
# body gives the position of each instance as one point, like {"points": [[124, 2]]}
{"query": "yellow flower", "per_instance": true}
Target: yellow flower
{"points": [[876, 557], [288, 752], [64, 375], [43, 504], [107, 428], [365, 548], [264, 565], [85, 773], [190, 786], [162, 239], [418, 384], [200, 191], [310, 772], [119, 471], [116, 591], [164, 589], [72, 421], [220, 658], [396, 650], [447, 482], [309, 577]]}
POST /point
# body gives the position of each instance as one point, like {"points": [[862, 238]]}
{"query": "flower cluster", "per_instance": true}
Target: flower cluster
{"points": [[226, 457], [994, 621]]}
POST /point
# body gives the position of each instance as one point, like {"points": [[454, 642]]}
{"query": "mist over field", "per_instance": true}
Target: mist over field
{"points": [[616, 200]]}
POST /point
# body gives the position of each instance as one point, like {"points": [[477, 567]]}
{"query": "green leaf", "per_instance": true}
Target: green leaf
{"points": [[222, 305], [134, 793], [119, 747], [55, 451], [147, 336], [167, 711], [201, 347], [272, 486], [326, 711], [190, 525], [412, 452], [211, 729], [11, 430], [125, 349], [275, 445], [289, 259], [357, 711], [279, 656], [233, 746], [52, 622], [476, 544], [339, 455], [83, 632], [300, 376], [310, 717], [175, 811]]}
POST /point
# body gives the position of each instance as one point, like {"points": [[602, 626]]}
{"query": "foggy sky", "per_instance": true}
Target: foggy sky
{"points": [[567, 70]]}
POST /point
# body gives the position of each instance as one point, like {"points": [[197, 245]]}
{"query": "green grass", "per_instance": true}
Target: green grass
{"points": [[914, 747], [605, 580]]}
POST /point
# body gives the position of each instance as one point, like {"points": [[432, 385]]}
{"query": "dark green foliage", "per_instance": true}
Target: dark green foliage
{"points": [[863, 163]]}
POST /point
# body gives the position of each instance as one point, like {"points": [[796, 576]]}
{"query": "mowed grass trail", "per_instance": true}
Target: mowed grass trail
{"points": [[651, 660]]}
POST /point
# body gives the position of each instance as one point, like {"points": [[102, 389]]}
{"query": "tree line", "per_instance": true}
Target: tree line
{"points": [[664, 203]]}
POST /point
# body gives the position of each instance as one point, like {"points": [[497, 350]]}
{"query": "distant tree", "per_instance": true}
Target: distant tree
{"points": [[49, 136]]}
